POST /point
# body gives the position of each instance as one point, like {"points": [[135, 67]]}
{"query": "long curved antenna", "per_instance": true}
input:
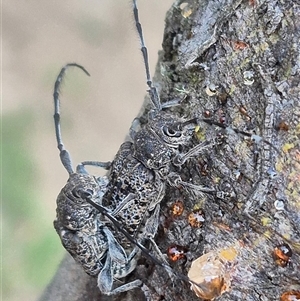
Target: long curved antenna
{"points": [[63, 153], [152, 90]]}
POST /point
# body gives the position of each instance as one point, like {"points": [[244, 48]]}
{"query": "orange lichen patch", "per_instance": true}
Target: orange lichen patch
{"points": [[196, 218], [282, 126], [229, 254], [290, 296], [209, 273], [239, 45], [177, 208], [176, 252], [282, 254]]}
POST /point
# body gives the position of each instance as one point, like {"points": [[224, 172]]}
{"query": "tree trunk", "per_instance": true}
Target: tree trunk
{"points": [[235, 62]]}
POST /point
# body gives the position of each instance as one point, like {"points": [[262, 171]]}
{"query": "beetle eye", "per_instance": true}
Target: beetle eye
{"points": [[79, 193], [171, 132], [75, 193], [89, 192], [85, 194]]}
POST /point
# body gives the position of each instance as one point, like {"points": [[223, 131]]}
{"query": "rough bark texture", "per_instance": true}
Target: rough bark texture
{"points": [[211, 44]]}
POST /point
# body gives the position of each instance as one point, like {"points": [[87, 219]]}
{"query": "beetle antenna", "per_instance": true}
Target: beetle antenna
{"points": [[63, 153]]}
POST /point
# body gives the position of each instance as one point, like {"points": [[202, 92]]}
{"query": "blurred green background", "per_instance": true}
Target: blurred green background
{"points": [[38, 38]]}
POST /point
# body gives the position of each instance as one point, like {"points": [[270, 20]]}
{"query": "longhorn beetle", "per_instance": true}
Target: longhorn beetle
{"points": [[103, 222]]}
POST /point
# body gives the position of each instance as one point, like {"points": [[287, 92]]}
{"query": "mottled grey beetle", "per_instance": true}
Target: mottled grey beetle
{"points": [[103, 222]]}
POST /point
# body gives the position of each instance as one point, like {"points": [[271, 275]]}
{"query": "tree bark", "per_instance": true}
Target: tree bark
{"points": [[237, 63]]}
